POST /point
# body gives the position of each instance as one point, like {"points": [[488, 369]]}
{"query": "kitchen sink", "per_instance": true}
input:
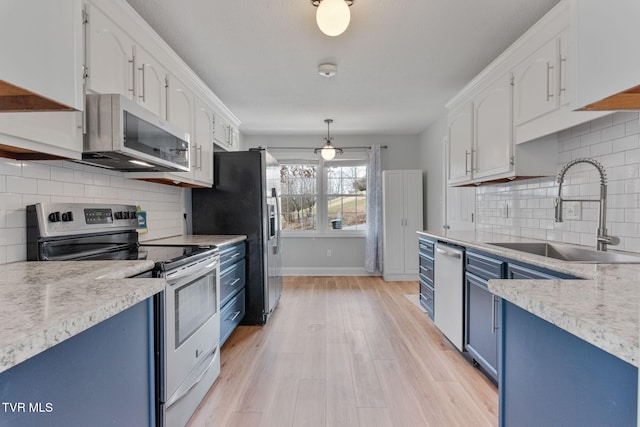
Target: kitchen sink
{"points": [[570, 253]]}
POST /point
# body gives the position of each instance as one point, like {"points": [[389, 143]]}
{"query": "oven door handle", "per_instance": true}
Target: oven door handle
{"points": [[186, 386], [189, 271]]}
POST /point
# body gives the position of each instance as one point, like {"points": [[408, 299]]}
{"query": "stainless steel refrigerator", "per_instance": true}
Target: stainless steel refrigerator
{"points": [[245, 199]]}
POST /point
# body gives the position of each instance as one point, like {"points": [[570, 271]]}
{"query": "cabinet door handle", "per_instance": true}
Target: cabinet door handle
{"points": [[563, 60], [143, 96], [199, 156], [236, 280], [234, 316], [132, 89], [494, 314], [466, 162], [549, 69]]}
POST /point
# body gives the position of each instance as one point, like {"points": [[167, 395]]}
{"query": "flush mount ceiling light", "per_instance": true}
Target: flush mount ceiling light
{"points": [[328, 152], [327, 70], [333, 16]]}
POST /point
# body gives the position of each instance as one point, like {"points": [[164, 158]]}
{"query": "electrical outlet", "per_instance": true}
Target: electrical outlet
{"points": [[328, 252], [574, 211]]}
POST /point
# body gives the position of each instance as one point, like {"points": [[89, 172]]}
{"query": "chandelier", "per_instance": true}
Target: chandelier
{"points": [[328, 151]]}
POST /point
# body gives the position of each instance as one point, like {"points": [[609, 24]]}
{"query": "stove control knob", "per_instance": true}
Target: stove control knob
{"points": [[118, 215], [54, 217], [67, 216]]}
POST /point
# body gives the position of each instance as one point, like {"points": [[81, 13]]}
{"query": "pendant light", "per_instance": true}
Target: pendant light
{"points": [[332, 16], [328, 151]]}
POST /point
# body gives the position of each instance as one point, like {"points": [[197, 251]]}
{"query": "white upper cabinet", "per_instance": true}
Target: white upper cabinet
{"points": [[535, 82], [493, 125], [41, 51], [203, 136], [460, 140], [606, 70], [152, 82], [110, 57]]}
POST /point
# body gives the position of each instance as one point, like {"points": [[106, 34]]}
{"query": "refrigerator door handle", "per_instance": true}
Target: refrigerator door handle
{"points": [[277, 198]]}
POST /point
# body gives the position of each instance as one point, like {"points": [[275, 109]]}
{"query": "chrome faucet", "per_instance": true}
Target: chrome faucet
{"points": [[602, 239]]}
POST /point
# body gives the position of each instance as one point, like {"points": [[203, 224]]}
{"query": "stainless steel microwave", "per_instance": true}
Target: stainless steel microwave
{"points": [[124, 136]]}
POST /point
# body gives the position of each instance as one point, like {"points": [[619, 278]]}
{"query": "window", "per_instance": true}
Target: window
{"points": [[299, 189], [346, 197], [324, 196]]}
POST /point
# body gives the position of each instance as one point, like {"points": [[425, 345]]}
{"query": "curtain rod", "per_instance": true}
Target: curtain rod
{"points": [[311, 148]]}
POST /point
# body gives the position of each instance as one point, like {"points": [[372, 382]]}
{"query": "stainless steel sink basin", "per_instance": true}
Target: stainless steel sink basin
{"points": [[570, 253]]}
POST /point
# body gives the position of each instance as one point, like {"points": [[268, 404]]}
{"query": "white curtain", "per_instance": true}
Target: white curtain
{"points": [[373, 243]]}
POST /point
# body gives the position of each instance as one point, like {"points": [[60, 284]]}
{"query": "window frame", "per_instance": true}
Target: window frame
{"points": [[322, 220]]}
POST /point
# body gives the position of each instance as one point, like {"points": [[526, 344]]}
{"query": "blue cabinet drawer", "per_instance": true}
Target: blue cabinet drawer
{"points": [[425, 246], [426, 268], [426, 298], [515, 271], [231, 315], [484, 266], [232, 279], [230, 254]]}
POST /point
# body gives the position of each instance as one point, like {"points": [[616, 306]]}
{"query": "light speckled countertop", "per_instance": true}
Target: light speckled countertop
{"points": [[603, 309], [203, 239], [44, 303]]}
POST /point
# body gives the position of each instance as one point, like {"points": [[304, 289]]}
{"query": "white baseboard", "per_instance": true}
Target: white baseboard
{"points": [[325, 271]]}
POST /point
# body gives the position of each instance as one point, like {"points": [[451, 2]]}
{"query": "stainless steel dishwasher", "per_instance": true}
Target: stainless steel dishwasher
{"points": [[449, 292]]}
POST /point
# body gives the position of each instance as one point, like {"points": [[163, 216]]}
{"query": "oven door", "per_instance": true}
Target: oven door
{"points": [[192, 330]]}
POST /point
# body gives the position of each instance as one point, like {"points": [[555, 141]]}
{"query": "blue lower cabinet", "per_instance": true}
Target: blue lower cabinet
{"points": [[100, 377], [549, 377], [231, 315]]}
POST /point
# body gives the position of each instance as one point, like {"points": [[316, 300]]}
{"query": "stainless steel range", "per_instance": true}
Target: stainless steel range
{"points": [[187, 319]]}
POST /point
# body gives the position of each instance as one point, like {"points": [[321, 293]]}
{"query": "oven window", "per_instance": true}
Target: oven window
{"points": [[195, 304]]}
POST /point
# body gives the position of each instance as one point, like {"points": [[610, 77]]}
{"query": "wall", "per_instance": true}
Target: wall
{"points": [[432, 164], [27, 182], [308, 255], [613, 141]]}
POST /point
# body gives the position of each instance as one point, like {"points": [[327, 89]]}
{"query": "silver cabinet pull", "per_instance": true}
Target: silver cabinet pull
{"points": [[236, 280], [549, 69], [563, 60], [199, 156], [143, 96], [494, 314], [466, 162], [132, 89], [234, 316]]}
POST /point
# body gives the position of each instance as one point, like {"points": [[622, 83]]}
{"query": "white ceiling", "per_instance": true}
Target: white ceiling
{"points": [[398, 63]]}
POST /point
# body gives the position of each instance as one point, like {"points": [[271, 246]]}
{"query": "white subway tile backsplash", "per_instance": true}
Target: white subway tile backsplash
{"points": [[24, 183], [614, 141]]}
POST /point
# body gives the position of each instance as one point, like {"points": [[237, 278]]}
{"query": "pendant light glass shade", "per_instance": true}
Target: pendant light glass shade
{"points": [[333, 17], [328, 152]]}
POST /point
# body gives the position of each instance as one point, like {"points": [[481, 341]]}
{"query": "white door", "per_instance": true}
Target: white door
{"points": [[460, 133], [535, 84], [412, 185], [203, 135], [221, 131], [493, 129], [110, 55], [459, 204], [180, 110], [151, 83], [394, 243]]}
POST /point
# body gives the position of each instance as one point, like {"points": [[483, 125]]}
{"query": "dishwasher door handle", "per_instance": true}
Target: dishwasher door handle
{"points": [[447, 253]]}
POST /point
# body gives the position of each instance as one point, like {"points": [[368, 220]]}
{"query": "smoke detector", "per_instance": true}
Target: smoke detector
{"points": [[327, 70]]}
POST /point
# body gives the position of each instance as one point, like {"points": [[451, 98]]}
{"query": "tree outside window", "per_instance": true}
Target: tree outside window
{"points": [[299, 196]]}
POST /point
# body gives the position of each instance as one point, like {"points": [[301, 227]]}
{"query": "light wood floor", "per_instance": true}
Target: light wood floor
{"points": [[348, 352]]}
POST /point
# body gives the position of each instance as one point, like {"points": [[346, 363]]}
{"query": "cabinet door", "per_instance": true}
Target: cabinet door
{"points": [[110, 57], [41, 48], [535, 84], [151, 83], [55, 133], [203, 136], [180, 110], [221, 131], [412, 187], [481, 337], [393, 200], [493, 147], [460, 143], [235, 139]]}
